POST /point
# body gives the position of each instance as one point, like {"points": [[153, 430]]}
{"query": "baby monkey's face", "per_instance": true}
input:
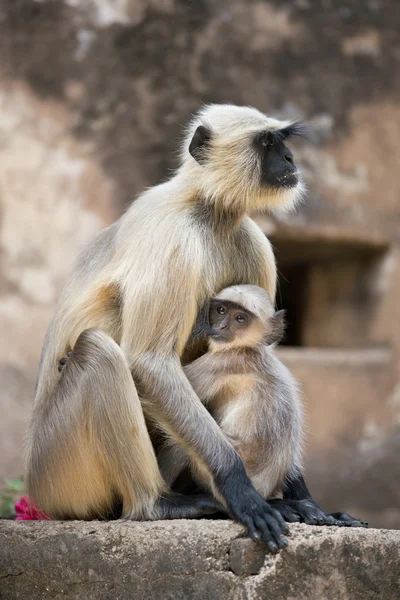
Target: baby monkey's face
{"points": [[233, 325], [229, 321]]}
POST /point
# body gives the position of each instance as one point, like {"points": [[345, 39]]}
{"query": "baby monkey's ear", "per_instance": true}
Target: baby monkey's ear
{"points": [[277, 328]]}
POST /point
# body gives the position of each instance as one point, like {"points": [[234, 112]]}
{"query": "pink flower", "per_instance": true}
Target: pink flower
{"points": [[27, 512]]}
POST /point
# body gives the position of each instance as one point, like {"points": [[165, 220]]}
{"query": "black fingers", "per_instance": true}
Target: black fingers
{"points": [[287, 512], [263, 523], [346, 520], [315, 517], [254, 533], [277, 525], [280, 519], [267, 534], [329, 520], [311, 514], [246, 506], [296, 492], [298, 497], [305, 511]]}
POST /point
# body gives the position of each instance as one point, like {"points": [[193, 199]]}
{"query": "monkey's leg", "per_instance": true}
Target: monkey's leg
{"points": [[89, 443], [172, 459], [298, 505], [91, 449], [180, 506]]}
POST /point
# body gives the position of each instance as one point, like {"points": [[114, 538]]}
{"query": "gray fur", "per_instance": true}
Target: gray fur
{"points": [[253, 398], [140, 285]]}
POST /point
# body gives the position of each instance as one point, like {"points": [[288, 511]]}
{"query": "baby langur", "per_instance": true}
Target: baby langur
{"points": [[252, 396], [248, 391]]}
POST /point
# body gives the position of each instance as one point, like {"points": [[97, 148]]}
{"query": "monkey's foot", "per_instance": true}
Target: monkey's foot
{"points": [[63, 361], [348, 520], [285, 510], [307, 511], [179, 506]]}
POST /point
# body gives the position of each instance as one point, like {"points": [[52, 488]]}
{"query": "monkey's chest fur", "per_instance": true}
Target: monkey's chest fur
{"points": [[231, 257], [258, 409]]}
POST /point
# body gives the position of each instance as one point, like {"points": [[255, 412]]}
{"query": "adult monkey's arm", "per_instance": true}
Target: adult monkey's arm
{"points": [[170, 399], [179, 412]]}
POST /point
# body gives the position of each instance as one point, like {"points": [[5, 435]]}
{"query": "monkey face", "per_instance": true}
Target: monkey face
{"points": [[278, 169], [228, 322], [237, 158], [244, 315]]}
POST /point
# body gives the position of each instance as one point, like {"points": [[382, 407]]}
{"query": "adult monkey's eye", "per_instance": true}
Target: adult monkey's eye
{"points": [[266, 139], [240, 318], [221, 310]]}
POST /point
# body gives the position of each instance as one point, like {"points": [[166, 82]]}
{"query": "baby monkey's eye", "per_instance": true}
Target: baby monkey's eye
{"points": [[240, 318], [221, 310]]}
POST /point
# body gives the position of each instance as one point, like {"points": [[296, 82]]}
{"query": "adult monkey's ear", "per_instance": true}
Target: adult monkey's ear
{"points": [[200, 143]]}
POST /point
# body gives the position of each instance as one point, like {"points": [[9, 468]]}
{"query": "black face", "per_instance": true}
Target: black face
{"points": [[227, 319], [278, 168]]}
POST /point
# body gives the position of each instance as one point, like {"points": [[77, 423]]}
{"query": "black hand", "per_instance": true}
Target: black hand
{"points": [[347, 520], [246, 505], [297, 501], [304, 511]]}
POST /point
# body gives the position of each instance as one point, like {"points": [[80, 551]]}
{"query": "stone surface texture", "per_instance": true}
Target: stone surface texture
{"points": [[93, 98], [193, 560]]}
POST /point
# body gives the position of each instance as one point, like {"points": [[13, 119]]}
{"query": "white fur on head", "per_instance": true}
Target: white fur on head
{"points": [[230, 177], [253, 298], [256, 301]]}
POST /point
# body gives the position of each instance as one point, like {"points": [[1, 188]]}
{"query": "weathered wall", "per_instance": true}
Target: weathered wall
{"points": [[93, 95]]}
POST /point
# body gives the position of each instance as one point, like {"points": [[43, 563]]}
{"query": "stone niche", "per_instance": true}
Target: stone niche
{"points": [[329, 285]]}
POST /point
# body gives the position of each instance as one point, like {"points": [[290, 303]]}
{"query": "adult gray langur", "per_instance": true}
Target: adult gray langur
{"points": [[128, 309]]}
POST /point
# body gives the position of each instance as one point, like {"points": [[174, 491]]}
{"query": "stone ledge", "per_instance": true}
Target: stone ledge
{"points": [[199, 560]]}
